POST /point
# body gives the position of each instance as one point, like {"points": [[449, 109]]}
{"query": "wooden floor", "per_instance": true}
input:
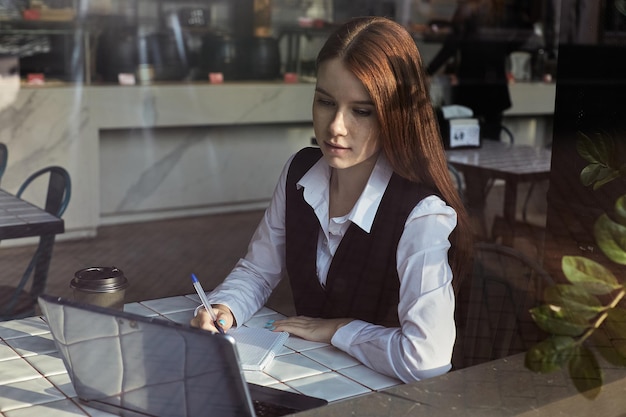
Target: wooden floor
{"points": [[158, 257]]}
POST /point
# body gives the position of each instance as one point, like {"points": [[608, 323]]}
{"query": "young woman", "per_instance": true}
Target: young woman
{"points": [[368, 228]]}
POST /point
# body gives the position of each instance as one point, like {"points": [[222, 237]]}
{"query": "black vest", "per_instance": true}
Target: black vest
{"points": [[362, 281]]}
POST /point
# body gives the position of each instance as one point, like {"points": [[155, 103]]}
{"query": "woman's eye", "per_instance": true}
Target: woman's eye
{"points": [[363, 112], [324, 102]]}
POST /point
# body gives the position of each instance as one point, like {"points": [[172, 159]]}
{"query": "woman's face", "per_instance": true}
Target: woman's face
{"points": [[344, 120]]}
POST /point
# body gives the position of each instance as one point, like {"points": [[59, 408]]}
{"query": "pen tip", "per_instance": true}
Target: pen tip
{"points": [[193, 278]]}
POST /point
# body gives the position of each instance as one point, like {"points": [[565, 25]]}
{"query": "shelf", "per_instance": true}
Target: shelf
{"points": [[40, 27]]}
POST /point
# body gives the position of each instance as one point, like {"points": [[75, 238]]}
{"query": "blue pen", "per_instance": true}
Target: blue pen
{"points": [[205, 302]]}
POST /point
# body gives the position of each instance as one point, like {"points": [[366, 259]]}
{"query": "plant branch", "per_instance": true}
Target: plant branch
{"points": [[602, 317]]}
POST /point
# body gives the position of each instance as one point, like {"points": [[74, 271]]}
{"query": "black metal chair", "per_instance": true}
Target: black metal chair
{"points": [[493, 319], [18, 301], [4, 157]]}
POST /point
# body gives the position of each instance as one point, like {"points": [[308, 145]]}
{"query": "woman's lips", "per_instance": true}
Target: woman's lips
{"points": [[335, 148]]}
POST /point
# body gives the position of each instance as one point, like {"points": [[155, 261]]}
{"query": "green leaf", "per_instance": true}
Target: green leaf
{"points": [[585, 372], [608, 175], [593, 151], [558, 321], [620, 6], [590, 174], [620, 210], [585, 148], [592, 276], [575, 299], [598, 175], [602, 344], [550, 355], [615, 328], [603, 164], [611, 238]]}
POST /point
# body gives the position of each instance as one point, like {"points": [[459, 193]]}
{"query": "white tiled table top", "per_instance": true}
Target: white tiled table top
{"points": [[34, 381]]}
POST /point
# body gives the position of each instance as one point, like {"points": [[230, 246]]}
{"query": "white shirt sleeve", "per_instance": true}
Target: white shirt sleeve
{"points": [[422, 346], [248, 286]]}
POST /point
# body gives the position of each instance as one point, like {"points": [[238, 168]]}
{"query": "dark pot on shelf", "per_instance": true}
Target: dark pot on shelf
{"points": [[221, 53], [117, 53], [168, 56], [263, 56]]}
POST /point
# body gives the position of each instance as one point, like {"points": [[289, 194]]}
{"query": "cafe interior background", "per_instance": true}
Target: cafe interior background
{"points": [[118, 92]]}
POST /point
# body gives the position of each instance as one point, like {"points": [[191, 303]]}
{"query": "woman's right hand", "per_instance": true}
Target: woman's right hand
{"points": [[225, 318]]}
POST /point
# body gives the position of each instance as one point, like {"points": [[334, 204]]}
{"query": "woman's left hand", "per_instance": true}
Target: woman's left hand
{"points": [[315, 330]]}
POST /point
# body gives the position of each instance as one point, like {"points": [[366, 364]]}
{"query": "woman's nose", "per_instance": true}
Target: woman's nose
{"points": [[338, 125]]}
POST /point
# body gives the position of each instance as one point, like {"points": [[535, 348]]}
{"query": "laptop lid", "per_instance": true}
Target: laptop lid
{"points": [[135, 365]]}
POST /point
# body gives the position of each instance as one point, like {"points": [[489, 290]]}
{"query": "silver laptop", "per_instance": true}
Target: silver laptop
{"points": [[131, 365]]}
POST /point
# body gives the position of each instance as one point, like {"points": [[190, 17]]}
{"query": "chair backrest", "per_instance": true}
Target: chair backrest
{"points": [[59, 188], [493, 307], [506, 135], [4, 157], [21, 302], [457, 179]]}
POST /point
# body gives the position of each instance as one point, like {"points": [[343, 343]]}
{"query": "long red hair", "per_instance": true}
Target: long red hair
{"points": [[385, 58]]}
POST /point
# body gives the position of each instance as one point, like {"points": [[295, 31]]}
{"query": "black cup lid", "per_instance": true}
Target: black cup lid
{"points": [[99, 279]]}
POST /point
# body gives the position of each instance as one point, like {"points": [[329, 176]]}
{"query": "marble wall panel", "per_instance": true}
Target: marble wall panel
{"points": [[144, 173]]}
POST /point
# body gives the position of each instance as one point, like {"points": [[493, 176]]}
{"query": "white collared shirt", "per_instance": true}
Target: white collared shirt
{"points": [[422, 346]]}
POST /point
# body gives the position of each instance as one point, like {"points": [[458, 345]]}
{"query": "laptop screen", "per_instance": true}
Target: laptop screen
{"points": [[147, 366]]}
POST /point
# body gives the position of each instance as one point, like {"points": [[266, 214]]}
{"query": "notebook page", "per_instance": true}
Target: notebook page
{"points": [[257, 347]]}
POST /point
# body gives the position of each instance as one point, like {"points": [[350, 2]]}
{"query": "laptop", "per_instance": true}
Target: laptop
{"points": [[131, 365]]}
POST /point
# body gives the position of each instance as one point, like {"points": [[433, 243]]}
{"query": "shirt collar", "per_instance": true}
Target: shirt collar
{"points": [[316, 190]]}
